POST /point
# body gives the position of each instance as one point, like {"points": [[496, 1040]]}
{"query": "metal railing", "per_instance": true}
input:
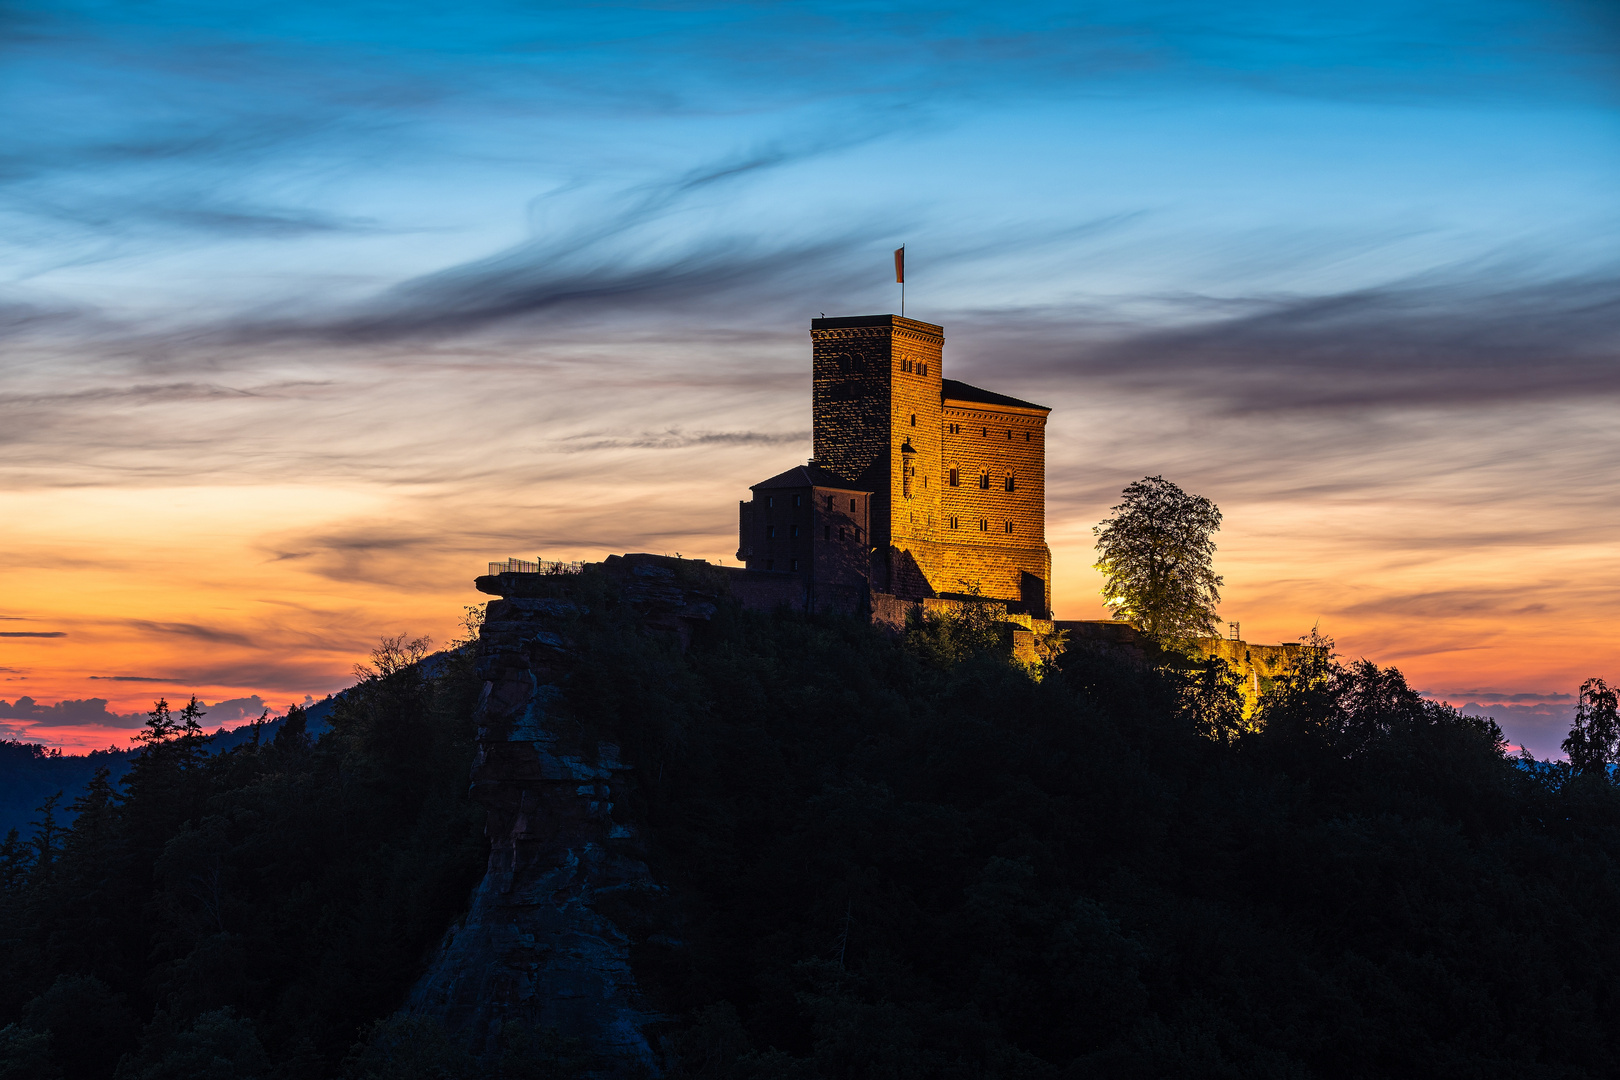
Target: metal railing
{"points": [[535, 566]]}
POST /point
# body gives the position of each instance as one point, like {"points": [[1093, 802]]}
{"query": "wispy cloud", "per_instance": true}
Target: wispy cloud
{"points": [[1411, 345], [676, 439], [189, 630]]}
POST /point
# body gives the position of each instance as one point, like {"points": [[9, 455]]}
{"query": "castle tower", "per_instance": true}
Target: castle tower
{"points": [[877, 412], [920, 487]]}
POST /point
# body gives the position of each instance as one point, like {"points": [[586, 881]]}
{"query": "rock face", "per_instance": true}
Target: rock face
{"points": [[539, 944]]}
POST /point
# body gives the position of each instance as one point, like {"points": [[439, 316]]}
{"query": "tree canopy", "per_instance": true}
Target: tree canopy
{"points": [[883, 858], [1156, 552]]}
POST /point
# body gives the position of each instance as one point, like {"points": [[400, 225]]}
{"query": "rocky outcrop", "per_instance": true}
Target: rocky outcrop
{"points": [[543, 942]]}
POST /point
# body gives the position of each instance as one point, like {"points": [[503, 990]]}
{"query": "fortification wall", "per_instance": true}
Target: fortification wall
{"points": [[1258, 665], [994, 445], [1013, 575]]}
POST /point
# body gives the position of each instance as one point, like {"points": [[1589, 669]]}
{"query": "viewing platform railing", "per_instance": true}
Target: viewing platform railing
{"points": [[535, 566]]}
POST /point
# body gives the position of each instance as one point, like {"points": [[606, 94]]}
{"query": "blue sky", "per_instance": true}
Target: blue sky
{"points": [[378, 290]]}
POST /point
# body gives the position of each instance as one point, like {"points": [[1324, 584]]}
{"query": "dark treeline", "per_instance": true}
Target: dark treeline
{"points": [[30, 773], [885, 859], [246, 913], [921, 862]]}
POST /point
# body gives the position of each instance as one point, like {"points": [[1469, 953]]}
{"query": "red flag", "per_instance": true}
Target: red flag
{"points": [[900, 264]]}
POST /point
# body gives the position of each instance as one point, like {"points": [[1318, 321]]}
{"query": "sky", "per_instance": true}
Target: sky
{"points": [[309, 310]]}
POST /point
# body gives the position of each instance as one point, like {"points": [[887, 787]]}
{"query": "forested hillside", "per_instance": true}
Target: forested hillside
{"points": [[883, 858]]}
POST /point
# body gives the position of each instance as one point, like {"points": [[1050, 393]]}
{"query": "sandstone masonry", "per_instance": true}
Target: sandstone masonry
{"points": [[921, 487]]}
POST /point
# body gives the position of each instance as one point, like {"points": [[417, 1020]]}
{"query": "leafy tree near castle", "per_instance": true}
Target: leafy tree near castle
{"points": [[1155, 552]]}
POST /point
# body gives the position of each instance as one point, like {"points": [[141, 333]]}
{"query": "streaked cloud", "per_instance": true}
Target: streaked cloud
{"points": [[308, 314]]}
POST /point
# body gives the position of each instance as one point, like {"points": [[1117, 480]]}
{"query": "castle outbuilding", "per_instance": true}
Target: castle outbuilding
{"points": [[921, 486]]}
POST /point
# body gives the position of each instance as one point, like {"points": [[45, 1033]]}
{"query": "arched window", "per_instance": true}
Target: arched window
{"points": [[1009, 483], [956, 477], [984, 481]]}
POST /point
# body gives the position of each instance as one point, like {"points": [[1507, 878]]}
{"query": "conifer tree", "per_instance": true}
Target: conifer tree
{"points": [[1593, 743], [47, 841]]}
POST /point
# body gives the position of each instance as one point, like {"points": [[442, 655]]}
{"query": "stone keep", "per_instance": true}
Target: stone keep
{"points": [[956, 475]]}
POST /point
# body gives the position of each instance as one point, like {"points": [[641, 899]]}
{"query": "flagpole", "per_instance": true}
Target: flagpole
{"points": [[900, 275]]}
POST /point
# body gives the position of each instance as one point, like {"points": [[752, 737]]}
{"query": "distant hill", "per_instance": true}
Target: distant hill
{"points": [[31, 773]]}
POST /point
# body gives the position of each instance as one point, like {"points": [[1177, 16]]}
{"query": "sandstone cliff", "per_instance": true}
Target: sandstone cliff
{"points": [[547, 938]]}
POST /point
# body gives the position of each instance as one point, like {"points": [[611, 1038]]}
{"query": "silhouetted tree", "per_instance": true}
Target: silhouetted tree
{"points": [[1156, 553], [1593, 742], [47, 842]]}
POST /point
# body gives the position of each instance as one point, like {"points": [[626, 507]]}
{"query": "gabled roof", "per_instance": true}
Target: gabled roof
{"points": [[808, 475], [951, 390]]}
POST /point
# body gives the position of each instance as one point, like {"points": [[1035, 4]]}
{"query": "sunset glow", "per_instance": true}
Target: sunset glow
{"points": [[309, 314]]}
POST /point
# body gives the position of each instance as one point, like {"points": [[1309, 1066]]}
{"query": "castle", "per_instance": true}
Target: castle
{"points": [[921, 487]]}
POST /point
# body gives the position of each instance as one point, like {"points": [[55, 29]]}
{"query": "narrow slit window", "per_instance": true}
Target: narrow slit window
{"points": [[956, 478]]}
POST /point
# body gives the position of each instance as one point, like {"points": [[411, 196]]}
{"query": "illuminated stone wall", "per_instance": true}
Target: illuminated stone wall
{"points": [[1257, 665], [880, 421], [870, 375]]}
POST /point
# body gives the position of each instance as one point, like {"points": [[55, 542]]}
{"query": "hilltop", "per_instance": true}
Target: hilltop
{"points": [[796, 845]]}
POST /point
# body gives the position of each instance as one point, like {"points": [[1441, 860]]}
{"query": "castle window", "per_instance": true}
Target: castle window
{"points": [[852, 506], [798, 500], [795, 530], [905, 365], [770, 500], [770, 532], [794, 565], [984, 481], [955, 522], [985, 432], [956, 478], [840, 532], [1010, 485], [857, 534], [922, 369], [826, 532], [984, 525], [829, 502], [1026, 436], [913, 419], [1009, 526], [1009, 433]]}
